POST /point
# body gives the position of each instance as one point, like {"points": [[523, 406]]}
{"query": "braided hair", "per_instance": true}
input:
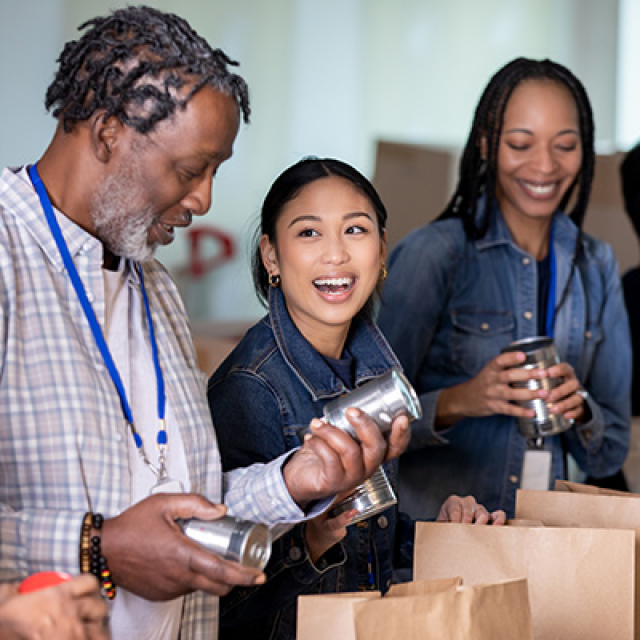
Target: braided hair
{"points": [[477, 175], [132, 64]]}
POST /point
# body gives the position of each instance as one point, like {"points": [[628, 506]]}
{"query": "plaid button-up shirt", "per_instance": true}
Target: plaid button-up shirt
{"points": [[63, 437]]}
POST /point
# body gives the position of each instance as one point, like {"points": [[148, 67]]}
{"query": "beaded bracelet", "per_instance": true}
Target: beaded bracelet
{"points": [[85, 540], [98, 563], [91, 558]]}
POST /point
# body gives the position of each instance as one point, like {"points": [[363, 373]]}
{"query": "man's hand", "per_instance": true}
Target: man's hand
{"points": [[331, 461], [73, 610], [467, 510], [150, 556]]}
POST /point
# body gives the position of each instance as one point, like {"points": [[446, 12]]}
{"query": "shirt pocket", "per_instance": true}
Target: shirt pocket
{"points": [[478, 337]]}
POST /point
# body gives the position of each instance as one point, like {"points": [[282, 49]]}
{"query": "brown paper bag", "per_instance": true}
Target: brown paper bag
{"points": [[580, 581], [579, 505], [330, 615], [497, 611], [423, 587], [576, 487]]}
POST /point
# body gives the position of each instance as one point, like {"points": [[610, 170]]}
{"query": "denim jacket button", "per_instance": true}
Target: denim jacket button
{"points": [[383, 522], [514, 479], [295, 554], [528, 315], [526, 261], [485, 326]]}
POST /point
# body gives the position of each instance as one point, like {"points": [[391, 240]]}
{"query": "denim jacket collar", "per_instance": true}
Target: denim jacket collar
{"points": [[371, 352], [565, 232]]}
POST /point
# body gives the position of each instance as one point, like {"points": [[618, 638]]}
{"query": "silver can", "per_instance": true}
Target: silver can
{"points": [[373, 496], [540, 353], [383, 399], [247, 543]]}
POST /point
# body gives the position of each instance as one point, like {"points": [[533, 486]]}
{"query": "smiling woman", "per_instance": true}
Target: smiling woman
{"points": [[318, 259], [328, 250], [507, 260]]}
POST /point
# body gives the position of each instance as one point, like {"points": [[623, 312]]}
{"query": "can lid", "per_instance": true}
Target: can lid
{"points": [[529, 344], [256, 547], [42, 580], [411, 400]]}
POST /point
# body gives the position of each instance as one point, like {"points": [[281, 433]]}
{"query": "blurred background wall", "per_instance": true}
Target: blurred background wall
{"points": [[343, 78]]}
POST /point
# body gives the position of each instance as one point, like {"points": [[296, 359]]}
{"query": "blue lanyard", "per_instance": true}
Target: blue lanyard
{"points": [[99, 336], [551, 296]]}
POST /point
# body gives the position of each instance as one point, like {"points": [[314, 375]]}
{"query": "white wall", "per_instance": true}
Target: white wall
{"points": [[327, 77]]}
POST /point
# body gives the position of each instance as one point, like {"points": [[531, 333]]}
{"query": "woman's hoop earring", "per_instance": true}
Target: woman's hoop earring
{"points": [[383, 272], [274, 280]]}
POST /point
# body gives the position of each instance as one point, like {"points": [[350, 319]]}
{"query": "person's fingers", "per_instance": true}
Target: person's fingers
{"points": [[498, 517], [398, 438], [190, 505], [341, 521], [82, 585], [218, 576], [481, 515], [507, 360], [469, 508]]}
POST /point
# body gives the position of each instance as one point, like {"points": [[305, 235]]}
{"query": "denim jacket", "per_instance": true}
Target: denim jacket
{"points": [[273, 384], [450, 304]]}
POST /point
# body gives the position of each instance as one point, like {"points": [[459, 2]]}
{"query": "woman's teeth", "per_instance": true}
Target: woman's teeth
{"points": [[333, 284], [540, 189]]}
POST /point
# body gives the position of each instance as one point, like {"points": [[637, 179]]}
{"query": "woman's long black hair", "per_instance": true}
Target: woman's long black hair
{"points": [[477, 174]]}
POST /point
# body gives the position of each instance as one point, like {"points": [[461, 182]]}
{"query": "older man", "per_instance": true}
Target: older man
{"points": [[105, 434]]}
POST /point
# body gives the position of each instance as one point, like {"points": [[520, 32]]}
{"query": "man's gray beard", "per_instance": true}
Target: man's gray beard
{"points": [[123, 232]]}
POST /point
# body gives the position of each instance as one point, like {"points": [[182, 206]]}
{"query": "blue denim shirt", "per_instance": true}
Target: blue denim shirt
{"points": [[450, 305], [273, 384]]}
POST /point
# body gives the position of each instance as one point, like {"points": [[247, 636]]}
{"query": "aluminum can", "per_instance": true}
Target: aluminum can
{"points": [[373, 496], [540, 353], [247, 543], [383, 399]]}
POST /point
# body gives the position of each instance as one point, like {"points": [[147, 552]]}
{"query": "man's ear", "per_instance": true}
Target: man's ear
{"points": [[104, 135]]}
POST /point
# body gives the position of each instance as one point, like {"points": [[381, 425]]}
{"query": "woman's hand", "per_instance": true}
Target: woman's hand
{"points": [[566, 398], [323, 532], [491, 392], [467, 510]]}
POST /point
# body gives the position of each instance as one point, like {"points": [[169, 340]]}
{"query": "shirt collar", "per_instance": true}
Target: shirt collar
{"points": [[565, 232], [372, 353], [23, 203]]}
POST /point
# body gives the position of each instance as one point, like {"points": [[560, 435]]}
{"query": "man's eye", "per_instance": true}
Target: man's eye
{"points": [[190, 175]]}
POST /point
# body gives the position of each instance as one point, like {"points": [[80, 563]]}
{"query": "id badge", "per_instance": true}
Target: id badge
{"points": [[536, 469], [167, 485]]}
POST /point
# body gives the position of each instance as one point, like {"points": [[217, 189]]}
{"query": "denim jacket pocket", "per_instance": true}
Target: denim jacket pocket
{"points": [[478, 337]]}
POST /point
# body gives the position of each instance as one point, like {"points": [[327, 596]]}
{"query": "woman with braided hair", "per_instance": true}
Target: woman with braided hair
{"points": [[507, 260]]}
